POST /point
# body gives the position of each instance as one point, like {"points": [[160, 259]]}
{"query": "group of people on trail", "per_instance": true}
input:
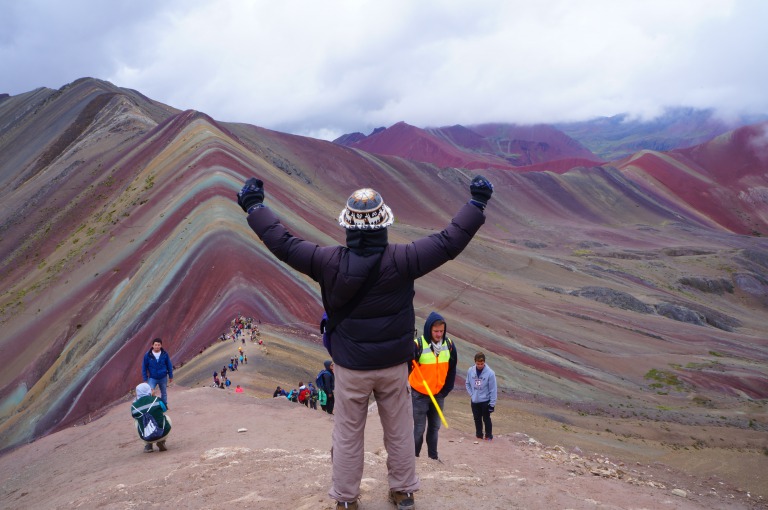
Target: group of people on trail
{"points": [[311, 394], [223, 382], [367, 289]]}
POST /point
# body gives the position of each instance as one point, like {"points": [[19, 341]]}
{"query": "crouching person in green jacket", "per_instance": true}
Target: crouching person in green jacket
{"points": [[152, 424]]}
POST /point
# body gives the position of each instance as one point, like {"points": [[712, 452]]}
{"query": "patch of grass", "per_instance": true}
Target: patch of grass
{"points": [[149, 182], [716, 354], [664, 379], [582, 253]]}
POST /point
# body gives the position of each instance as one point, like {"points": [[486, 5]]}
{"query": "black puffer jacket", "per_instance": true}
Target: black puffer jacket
{"points": [[379, 332]]}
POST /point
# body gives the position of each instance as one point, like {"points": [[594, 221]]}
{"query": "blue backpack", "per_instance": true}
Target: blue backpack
{"points": [[150, 430], [319, 381]]}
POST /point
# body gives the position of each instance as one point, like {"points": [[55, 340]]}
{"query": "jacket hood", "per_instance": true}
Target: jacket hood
{"points": [[367, 242], [431, 319], [143, 390]]}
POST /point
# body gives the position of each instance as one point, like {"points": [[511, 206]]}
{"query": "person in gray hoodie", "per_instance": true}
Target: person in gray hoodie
{"points": [[481, 386]]}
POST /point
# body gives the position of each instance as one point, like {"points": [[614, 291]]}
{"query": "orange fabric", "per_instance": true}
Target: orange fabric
{"points": [[434, 370]]}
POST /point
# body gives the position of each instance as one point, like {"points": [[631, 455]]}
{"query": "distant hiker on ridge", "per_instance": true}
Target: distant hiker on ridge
{"points": [[371, 283]]}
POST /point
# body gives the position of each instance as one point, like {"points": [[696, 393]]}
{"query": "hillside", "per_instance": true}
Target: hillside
{"points": [[252, 451], [629, 296]]}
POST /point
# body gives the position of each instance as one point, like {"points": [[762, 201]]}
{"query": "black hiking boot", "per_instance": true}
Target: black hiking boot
{"points": [[148, 448], [403, 500], [161, 445]]}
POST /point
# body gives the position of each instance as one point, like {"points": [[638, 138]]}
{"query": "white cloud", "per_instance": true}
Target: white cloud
{"points": [[325, 68]]}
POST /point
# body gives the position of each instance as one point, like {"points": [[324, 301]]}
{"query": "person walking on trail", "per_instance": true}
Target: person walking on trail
{"points": [[157, 369], [481, 386], [372, 283], [436, 357], [326, 383]]}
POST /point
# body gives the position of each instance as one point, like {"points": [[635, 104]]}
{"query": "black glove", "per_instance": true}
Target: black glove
{"points": [[491, 409], [481, 190], [251, 194]]}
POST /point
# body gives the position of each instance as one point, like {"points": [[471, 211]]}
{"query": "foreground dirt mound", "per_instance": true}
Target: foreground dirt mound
{"points": [[232, 449]]}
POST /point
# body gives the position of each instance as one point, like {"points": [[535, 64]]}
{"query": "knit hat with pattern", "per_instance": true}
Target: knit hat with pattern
{"points": [[366, 210]]}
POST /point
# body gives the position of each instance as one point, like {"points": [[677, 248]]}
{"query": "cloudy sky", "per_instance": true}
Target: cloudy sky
{"points": [[324, 68]]}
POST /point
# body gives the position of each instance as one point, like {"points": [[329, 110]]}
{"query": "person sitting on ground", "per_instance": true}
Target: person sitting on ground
{"points": [[278, 392], [238, 389], [227, 382], [152, 424]]}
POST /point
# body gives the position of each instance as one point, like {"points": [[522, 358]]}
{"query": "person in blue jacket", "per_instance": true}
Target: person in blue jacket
{"points": [[481, 386], [157, 369]]}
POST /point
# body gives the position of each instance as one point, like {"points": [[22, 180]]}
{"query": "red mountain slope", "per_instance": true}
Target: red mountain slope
{"points": [[416, 144]]}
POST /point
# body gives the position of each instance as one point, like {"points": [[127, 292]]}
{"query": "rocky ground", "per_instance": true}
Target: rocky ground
{"points": [[253, 451]]}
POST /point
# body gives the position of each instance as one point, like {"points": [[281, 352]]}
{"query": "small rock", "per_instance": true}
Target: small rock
{"points": [[242, 430], [679, 492]]}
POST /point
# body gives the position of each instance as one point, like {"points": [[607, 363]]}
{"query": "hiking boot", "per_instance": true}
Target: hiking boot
{"points": [[403, 500], [352, 505], [148, 448], [161, 445]]}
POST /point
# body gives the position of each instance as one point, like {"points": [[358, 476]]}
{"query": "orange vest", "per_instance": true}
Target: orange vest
{"points": [[433, 368]]}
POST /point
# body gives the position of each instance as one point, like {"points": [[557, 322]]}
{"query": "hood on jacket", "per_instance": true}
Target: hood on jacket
{"points": [[431, 319], [143, 390], [367, 242]]}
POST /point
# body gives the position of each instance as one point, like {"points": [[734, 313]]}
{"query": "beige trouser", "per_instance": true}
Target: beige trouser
{"points": [[391, 390]]}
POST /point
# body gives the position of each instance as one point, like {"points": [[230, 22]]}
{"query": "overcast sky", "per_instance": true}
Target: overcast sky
{"points": [[324, 68]]}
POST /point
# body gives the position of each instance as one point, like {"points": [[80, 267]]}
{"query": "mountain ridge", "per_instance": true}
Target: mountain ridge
{"points": [[582, 282]]}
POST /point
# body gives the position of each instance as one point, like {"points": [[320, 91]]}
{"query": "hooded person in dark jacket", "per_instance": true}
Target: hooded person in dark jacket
{"points": [[372, 346], [436, 357]]}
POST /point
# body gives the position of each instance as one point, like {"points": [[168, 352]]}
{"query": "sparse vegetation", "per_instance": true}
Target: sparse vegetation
{"points": [[664, 379]]}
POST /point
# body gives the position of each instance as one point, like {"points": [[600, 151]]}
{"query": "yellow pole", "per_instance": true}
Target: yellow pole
{"points": [[439, 411]]}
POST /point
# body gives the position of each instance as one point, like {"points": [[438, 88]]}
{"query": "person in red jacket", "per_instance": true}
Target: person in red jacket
{"points": [[373, 344]]}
